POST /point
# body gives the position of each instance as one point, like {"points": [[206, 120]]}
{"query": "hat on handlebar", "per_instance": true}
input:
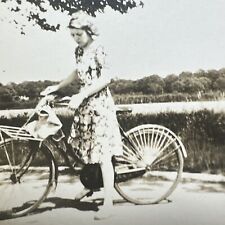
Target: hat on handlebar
{"points": [[44, 111]]}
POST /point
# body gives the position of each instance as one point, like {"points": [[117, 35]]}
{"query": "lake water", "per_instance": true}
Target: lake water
{"points": [[145, 108]]}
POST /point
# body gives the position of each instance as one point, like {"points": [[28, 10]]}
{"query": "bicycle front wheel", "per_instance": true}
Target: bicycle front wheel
{"points": [[26, 176], [151, 165]]}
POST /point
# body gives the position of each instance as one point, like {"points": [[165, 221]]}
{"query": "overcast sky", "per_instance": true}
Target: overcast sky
{"points": [[164, 37]]}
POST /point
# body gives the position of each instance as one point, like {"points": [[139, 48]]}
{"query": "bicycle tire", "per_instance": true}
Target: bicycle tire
{"points": [[27, 173], [151, 165]]}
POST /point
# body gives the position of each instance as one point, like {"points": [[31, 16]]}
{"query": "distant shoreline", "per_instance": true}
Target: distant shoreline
{"points": [[143, 108]]}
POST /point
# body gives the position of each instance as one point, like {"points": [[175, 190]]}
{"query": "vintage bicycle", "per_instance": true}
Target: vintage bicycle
{"points": [[148, 171]]}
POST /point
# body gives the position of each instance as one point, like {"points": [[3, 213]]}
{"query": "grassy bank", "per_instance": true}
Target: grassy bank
{"points": [[202, 132]]}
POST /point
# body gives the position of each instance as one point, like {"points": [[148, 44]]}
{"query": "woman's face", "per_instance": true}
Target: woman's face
{"points": [[80, 36]]}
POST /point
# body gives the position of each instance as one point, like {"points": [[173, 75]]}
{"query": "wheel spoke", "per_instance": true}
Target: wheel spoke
{"points": [[33, 179], [154, 146], [152, 133], [144, 137], [137, 141], [164, 140], [163, 157], [135, 147], [141, 139], [169, 142], [158, 150], [13, 157], [8, 159], [129, 152]]}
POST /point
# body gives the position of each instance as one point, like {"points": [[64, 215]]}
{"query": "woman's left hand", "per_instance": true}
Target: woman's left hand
{"points": [[76, 100]]}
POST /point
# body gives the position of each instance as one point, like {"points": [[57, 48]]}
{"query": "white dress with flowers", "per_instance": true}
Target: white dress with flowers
{"points": [[95, 133]]}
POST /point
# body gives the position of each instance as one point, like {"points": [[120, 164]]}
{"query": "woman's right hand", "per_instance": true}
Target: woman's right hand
{"points": [[44, 101], [49, 90]]}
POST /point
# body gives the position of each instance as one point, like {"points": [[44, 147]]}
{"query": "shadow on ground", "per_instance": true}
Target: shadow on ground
{"points": [[56, 203]]}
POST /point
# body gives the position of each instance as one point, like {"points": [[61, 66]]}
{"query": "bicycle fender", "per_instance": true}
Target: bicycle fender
{"points": [[49, 149]]}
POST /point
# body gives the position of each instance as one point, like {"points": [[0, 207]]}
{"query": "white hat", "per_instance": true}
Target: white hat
{"points": [[44, 111], [81, 20]]}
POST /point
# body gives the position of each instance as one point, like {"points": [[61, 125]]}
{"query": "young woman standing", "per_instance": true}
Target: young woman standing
{"points": [[95, 132]]}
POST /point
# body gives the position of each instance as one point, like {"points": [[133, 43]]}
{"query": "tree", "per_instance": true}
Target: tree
{"points": [[206, 82], [200, 73], [31, 89], [169, 80], [6, 94], [186, 74], [122, 86], [193, 85], [213, 75], [178, 86], [153, 84], [219, 84], [222, 72], [36, 10]]}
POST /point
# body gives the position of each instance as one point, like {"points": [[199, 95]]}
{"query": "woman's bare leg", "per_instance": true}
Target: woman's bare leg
{"points": [[108, 183]]}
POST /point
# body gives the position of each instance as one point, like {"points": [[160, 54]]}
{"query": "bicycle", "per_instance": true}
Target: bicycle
{"points": [[148, 171]]}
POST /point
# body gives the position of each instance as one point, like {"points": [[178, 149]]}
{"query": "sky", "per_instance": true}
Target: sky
{"points": [[165, 37]]}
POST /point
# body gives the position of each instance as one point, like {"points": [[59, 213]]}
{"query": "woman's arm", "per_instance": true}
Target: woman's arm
{"points": [[63, 83], [96, 86], [68, 80]]}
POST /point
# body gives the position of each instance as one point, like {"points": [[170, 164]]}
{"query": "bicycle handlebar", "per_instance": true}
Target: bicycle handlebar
{"points": [[53, 100], [44, 101]]}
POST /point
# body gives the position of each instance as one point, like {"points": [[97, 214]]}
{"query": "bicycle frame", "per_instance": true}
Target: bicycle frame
{"points": [[20, 133], [146, 150]]}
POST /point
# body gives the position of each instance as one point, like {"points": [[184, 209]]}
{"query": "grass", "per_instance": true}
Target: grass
{"points": [[202, 133]]}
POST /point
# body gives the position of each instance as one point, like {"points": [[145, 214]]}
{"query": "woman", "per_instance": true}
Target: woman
{"points": [[95, 133]]}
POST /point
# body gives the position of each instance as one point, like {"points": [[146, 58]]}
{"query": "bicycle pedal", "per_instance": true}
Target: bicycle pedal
{"points": [[83, 193]]}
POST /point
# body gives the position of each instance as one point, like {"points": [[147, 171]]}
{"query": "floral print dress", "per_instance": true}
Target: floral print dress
{"points": [[94, 134]]}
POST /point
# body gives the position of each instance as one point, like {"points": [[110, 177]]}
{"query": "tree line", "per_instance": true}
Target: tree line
{"points": [[26, 94], [185, 82]]}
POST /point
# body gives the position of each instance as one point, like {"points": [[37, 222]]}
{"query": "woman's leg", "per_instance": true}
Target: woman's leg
{"points": [[108, 183]]}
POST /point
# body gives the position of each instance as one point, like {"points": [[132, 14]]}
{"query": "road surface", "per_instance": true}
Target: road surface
{"points": [[198, 200]]}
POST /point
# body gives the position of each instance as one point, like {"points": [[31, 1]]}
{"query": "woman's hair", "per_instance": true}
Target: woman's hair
{"points": [[81, 20]]}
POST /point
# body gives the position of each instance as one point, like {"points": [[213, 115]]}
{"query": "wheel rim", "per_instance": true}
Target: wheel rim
{"points": [[157, 152], [24, 183]]}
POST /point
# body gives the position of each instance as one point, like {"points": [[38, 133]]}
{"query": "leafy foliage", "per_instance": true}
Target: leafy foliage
{"points": [[35, 10], [187, 86], [186, 83]]}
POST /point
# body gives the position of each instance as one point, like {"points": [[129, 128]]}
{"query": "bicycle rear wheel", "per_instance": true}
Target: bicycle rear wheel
{"points": [[26, 176], [151, 165]]}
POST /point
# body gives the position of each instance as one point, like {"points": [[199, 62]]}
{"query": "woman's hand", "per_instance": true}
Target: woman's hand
{"points": [[49, 90], [76, 100], [44, 101]]}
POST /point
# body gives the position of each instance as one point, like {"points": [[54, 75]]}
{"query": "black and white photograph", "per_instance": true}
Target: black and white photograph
{"points": [[112, 112]]}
